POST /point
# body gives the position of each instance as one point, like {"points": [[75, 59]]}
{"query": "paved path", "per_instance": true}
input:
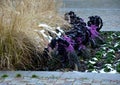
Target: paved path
{"points": [[108, 10], [58, 78]]}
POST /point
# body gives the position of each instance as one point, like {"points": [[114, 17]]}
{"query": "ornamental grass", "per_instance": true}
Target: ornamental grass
{"points": [[21, 42]]}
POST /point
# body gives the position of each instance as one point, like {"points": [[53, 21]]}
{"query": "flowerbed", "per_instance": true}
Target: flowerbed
{"points": [[106, 58]]}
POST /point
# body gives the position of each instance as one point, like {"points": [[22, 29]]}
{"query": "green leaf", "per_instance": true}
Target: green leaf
{"points": [[118, 68], [107, 69]]}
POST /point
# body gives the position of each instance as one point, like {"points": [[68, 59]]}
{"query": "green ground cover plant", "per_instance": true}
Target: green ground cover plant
{"points": [[4, 76], [105, 58]]}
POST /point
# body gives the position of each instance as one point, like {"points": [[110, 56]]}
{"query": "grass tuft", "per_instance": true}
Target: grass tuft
{"points": [[20, 45], [18, 75], [4, 76], [34, 76]]}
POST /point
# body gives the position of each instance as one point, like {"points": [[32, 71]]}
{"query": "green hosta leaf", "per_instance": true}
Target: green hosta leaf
{"points": [[118, 68], [106, 69], [110, 54], [90, 66], [99, 54]]}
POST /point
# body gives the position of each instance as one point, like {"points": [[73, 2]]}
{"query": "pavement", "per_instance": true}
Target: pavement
{"points": [[108, 10], [58, 78]]}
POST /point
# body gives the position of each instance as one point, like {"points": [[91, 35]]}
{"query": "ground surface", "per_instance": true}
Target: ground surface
{"points": [[58, 78], [108, 10]]}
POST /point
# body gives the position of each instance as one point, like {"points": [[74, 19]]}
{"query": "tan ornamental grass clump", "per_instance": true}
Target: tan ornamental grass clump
{"points": [[20, 45]]}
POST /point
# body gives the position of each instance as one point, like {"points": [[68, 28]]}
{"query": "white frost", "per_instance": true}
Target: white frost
{"points": [[102, 71], [42, 32], [104, 54], [116, 44], [49, 38], [45, 26], [94, 71], [111, 50], [118, 36], [104, 48], [95, 59], [92, 62], [108, 65], [60, 29], [113, 71]]}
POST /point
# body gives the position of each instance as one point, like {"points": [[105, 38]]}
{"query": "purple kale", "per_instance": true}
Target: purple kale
{"points": [[94, 32], [75, 41]]}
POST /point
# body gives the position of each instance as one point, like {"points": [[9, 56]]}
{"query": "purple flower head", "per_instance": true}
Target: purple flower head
{"points": [[69, 48], [64, 43], [95, 20], [93, 30], [69, 40]]}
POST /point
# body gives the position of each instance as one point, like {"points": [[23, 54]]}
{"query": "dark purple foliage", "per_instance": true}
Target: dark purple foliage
{"points": [[75, 41]]}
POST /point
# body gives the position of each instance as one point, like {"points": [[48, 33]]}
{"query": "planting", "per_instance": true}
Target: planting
{"points": [[80, 47], [34, 37]]}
